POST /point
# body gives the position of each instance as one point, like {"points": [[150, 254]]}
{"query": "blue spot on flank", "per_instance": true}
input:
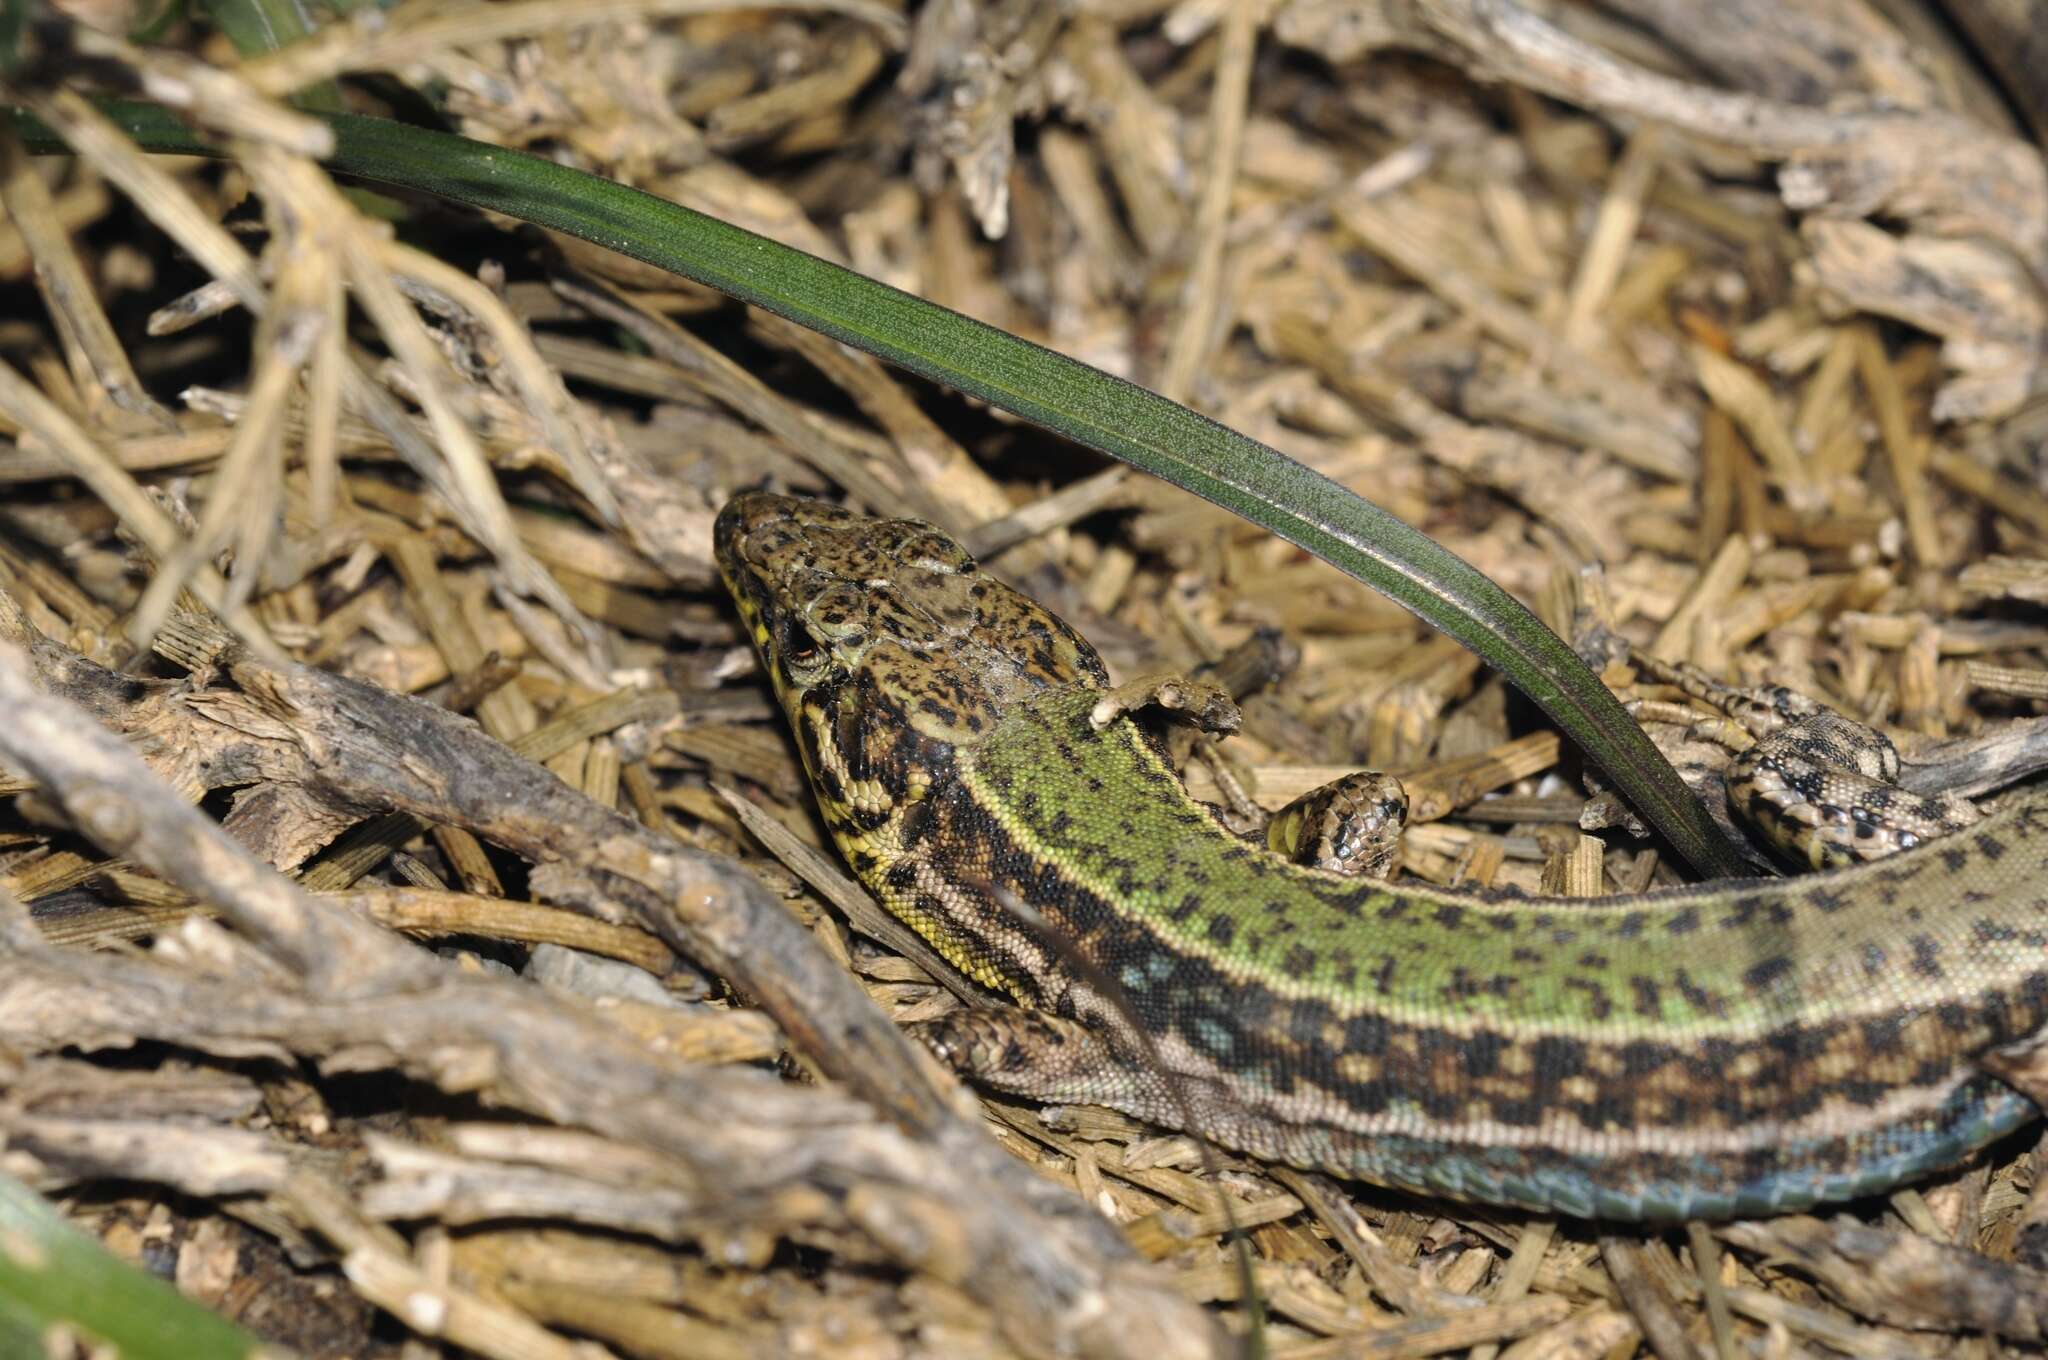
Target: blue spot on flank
{"points": [[1213, 1036]]}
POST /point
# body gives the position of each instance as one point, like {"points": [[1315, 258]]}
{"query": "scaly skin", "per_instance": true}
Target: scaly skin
{"points": [[1731, 1048]]}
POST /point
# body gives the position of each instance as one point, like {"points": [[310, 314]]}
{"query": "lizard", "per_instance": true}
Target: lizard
{"points": [[1730, 1048]]}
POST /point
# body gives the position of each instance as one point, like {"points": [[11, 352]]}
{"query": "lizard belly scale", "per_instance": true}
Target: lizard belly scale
{"points": [[1695, 1052]]}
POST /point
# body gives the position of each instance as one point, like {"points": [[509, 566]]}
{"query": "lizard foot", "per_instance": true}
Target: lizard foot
{"points": [[1209, 708]]}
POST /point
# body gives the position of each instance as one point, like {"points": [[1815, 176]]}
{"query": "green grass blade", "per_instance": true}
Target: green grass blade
{"points": [[1049, 389], [259, 26], [53, 1277], [13, 37]]}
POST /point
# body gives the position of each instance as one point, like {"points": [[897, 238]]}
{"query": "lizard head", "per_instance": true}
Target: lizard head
{"points": [[886, 645]]}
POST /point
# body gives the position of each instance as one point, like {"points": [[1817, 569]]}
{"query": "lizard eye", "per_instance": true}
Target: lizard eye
{"points": [[800, 651]]}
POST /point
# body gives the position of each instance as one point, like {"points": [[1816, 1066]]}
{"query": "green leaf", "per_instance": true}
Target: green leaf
{"points": [[1085, 404]]}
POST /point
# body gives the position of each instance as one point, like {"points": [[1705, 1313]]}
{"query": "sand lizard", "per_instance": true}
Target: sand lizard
{"points": [[1729, 1048]]}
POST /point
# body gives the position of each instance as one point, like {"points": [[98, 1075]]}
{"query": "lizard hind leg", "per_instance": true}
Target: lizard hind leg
{"points": [[1047, 1057], [1823, 789]]}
